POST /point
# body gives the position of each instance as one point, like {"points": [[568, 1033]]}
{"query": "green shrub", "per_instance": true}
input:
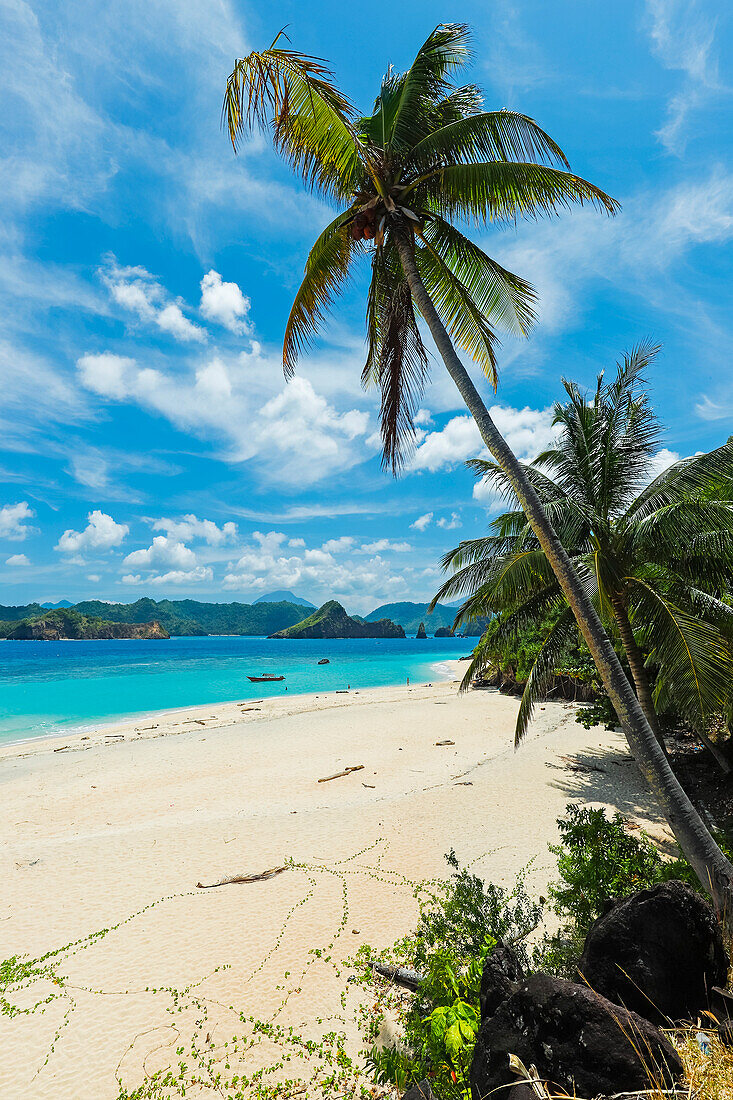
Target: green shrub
{"points": [[598, 860], [598, 713], [460, 922]]}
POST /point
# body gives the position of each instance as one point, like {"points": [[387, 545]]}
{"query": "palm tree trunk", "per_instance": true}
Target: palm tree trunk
{"points": [[710, 864], [638, 667]]}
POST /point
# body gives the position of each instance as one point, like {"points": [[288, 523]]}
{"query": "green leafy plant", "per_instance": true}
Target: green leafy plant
{"points": [[600, 859], [459, 924], [598, 713]]}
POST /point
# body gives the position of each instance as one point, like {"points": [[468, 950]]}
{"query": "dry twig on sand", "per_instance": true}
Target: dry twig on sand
{"points": [[347, 771], [243, 878]]}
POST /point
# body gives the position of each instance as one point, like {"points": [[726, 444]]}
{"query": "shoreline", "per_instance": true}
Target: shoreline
{"points": [[124, 722], [118, 839]]}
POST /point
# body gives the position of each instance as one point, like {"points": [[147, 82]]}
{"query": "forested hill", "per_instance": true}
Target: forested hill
{"points": [[65, 623], [331, 621], [179, 617], [190, 617]]}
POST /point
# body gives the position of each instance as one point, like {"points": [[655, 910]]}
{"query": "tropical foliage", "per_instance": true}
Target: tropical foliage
{"points": [[460, 923], [655, 553]]}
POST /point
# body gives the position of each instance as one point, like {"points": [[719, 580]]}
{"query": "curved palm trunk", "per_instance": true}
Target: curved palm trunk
{"points": [[711, 866], [638, 667]]}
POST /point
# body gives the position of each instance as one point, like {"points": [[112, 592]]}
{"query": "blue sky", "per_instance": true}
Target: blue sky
{"points": [[149, 444]]}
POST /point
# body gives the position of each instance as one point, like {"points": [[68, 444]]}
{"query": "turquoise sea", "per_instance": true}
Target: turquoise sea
{"points": [[56, 687]]}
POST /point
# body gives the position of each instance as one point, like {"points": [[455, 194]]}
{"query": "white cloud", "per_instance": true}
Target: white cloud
{"points": [[225, 303], [101, 533], [200, 575], [422, 418], [454, 443], [485, 492], [191, 527], [450, 524], [94, 578], [527, 431], [712, 410], [137, 291], [422, 521], [171, 319], [362, 582], [295, 543], [683, 38], [162, 551], [661, 461], [107, 374], [17, 560], [299, 422], [333, 546], [13, 518], [233, 401], [382, 546]]}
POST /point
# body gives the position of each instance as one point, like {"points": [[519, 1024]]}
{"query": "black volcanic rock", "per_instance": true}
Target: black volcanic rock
{"points": [[578, 1040], [421, 1091], [659, 952], [500, 978], [331, 621]]}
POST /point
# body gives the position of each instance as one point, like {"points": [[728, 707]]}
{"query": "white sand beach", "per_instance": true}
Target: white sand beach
{"points": [[124, 824]]}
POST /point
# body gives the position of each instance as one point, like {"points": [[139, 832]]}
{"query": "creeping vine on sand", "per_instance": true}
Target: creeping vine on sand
{"points": [[205, 1062]]}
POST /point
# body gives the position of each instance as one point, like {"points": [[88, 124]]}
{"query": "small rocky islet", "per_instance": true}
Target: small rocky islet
{"points": [[332, 621]]}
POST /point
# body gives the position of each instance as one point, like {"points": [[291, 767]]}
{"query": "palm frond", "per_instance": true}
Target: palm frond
{"points": [[503, 192], [397, 360], [425, 81], [693, 656], [505, 298], [672, 530], [464, 319], [542, 672], [312, 122], [530, 613], [326, 272], [700, 475], [485, 136]]}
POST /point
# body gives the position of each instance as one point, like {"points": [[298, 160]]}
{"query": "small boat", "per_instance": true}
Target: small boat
{"points": [[324, 661], [268, 678]]}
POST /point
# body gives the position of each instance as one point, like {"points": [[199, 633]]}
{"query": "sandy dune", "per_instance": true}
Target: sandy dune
{"points": [[117, 831]]}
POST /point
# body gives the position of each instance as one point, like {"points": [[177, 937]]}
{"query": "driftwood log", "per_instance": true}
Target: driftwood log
{"points": [[400, 975]]}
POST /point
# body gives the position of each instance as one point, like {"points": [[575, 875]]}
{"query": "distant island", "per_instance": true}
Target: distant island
{"points": [[268, 615], [188, 618], [331, 621], [282, 595], [63, 624], [409, 615]]}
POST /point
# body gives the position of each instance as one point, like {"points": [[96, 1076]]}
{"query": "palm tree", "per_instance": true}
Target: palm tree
{"points": [[656, 558], [427, 156]]}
